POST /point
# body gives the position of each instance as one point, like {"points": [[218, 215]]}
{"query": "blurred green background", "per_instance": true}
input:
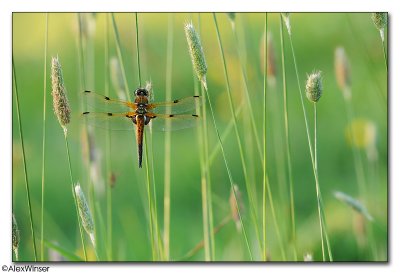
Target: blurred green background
{"points": [[315, 37]]}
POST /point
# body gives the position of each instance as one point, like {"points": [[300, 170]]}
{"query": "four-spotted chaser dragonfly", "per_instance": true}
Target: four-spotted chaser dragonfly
{"points": [[121, 115]]}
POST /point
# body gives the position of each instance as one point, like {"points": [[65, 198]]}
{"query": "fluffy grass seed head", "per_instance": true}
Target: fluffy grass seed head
{"points": [[286, 19], [314, 86], [84, 212], [353, 203], [342, 70], [59, 93], [234, 206], [15, 236], [196, 53], [380, 21]]}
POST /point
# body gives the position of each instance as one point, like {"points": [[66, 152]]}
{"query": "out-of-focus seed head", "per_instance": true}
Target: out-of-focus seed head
{"points": [[196, 53], [286, 19], [314, 86], [342, 70], [308, 257], [117, 79], [353, 203], [235, 206], [15, 236], [271, 58], [59, 93], [361, 133], [232, 16], [84, 213], [380, 21], [88, 24]]}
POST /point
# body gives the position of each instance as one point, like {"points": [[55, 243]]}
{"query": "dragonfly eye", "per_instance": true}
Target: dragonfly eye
{"points": [[141, 92]]}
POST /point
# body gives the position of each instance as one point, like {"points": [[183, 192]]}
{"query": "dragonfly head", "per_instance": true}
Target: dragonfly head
{"points": [[141, 92]]}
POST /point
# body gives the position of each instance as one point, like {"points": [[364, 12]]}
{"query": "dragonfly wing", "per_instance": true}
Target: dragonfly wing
{"points": [[170, 122], [99, 102], [176, 106], [110, 121]]}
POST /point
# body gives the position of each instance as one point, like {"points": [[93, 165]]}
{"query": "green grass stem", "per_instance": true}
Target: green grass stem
{"points": [[28, 196], [287, 145], [44, 137]]}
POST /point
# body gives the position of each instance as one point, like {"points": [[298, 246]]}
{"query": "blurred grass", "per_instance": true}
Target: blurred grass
{"points": [[315, 37]]}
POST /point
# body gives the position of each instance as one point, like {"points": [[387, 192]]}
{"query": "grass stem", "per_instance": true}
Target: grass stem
{"points": [[167, 141], [73, 193], [28, 196], [44, 137], [108, 146], [319, 199], [235, 126], [287, 144]]}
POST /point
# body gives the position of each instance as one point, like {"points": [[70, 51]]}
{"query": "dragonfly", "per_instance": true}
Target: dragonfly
{"points": [[141, 113]]}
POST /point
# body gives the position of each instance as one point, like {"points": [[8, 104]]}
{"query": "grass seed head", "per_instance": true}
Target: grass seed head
{"points": [[308, 257], [286, 19], [234, 206], [232, 16], [15, 235], [353, 203], [117, 79], [342, 70], [314, 86], [59, 93], [196, 53], [84, 212], [380, 21], [271, 58]]}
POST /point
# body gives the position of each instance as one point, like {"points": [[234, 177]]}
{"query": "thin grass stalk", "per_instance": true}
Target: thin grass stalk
{"points": [[246, 89], [201, 244], [44, 136], [229, 172], [108, 144], [119, 53], [264, 215], [356, 34], [83, 83], [356, 153], [167, 141], [28, 196], [308, 138], [317, 184], [73, 193], [287, 144], [360, 175], [201, 141], [244, 168], [151, 183], [207, 169], [225, 134], [385, 55]]}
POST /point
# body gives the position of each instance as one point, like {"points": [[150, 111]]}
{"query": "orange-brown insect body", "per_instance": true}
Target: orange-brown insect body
{"points": [[140, 119]]}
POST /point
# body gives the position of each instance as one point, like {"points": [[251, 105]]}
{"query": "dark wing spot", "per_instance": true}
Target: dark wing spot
{"points": [[176, 101], [171, 115], [86, 112], [109, 114], [195, 115], [196, 96], [87, 91], [107, 98]]}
